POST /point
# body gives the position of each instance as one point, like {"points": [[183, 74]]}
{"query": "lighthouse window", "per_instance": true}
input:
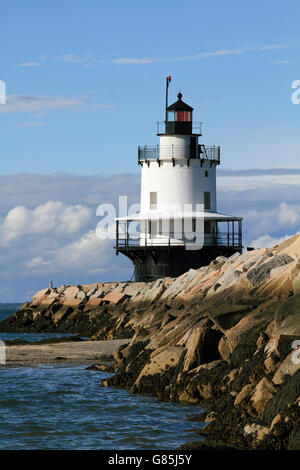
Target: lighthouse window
{"points": [[206, 200], [153, 200], [206, 173], [171, 116], [180, 116], [153, 228], [160, 227], [171, 228], [183, 116]]}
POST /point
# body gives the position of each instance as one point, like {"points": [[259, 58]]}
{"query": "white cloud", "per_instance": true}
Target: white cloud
{"points": [[24, 125], [86, 60], [34, 63], [280, 217], [32, 190], [126, 60], [86, 252], [48, 223], [37, 262], [53, 215], [288, 215], [272, 47], [256, 181], [25, 103], [72, 219], [43, 104], [72, 58], [282, 62], [266, 241], [29, 64], [200, 55]]}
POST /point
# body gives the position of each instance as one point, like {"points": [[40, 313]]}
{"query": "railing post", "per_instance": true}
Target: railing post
{"points": [[228, 233], [146, 231], [233, 233], [240, 233], [117, 234]]}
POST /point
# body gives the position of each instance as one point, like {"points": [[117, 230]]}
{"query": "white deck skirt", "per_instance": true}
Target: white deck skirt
{"points": [[156, 215]]}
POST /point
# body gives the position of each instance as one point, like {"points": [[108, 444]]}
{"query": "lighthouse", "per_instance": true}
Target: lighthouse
{"points": [[178, 226]]}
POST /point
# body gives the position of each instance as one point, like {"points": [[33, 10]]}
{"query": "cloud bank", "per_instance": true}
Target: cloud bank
{"points": [[26, 103], [48, 223]]}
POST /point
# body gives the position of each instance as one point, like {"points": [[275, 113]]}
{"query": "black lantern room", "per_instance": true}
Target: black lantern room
{"points": [[179, 117]]}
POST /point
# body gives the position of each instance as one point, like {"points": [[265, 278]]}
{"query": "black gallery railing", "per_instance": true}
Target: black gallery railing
{"points": [[156, 152], [126, 238]]}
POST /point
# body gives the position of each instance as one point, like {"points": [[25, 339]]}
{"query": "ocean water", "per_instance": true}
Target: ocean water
{"points": [[61, 407], [6, 312], [65, 407]]}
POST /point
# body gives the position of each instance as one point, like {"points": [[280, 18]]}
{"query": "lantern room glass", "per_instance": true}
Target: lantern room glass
{"points": [[183, 116], [180, 116]]}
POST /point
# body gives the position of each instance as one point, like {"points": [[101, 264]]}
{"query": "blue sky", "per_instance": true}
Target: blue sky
{"points": [[85, 80], [85, 86]]}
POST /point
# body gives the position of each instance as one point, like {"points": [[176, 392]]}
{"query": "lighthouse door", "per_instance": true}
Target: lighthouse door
{"points": [[192, 147]]}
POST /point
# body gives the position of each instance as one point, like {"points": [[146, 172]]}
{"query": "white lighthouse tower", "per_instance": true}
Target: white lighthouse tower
{"points": [[178, 226]]}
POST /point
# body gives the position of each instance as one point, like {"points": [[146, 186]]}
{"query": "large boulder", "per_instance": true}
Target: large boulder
{"points": [[92, 304], [41, 293], [61, 314], [244, 394], [280, 345], [262, 394], [71, 292], [224, 349], [262, 272], [289, 366], [160, 363], [115, 297], [71, 302]]}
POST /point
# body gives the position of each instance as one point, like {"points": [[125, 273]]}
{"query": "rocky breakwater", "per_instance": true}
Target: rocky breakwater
{"points": [[224, 336], [94, 309]]}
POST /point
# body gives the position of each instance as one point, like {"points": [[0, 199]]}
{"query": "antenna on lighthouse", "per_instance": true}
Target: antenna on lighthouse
{"points": [[168, 79]]}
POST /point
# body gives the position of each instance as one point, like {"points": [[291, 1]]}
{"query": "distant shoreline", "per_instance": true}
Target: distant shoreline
{"points": [[71, 352], [10, 306]]}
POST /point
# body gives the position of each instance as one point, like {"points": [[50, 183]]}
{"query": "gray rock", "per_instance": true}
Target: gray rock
{"points": [[249, 265], [81, 295], [91, 291], [261, 273], [120, 287], [237, 274], [98, 294], [61, 289]]}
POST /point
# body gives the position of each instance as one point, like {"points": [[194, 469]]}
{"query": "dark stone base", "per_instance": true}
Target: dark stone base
{"points": [[153, 263]]}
